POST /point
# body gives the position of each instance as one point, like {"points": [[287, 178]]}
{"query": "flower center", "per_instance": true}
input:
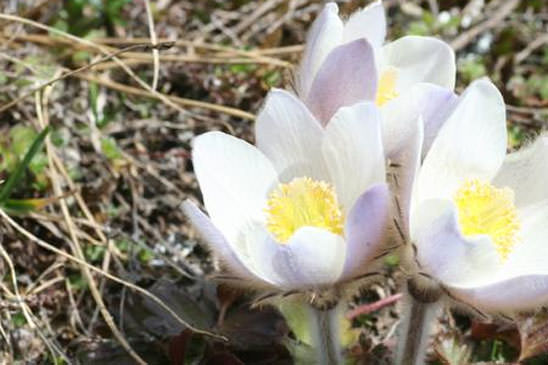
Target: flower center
{"points": [[302, 202], [484, 209], [386, 90]]}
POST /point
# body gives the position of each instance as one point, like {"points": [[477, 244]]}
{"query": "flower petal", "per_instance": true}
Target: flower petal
{"points": [[217, 242], [369, 23], [235, 178], [433, 103], [325, 34], [289, 135], [347, 76], [515, 294], [364, 229], [262, 250], [436, 103], [399, 122], [353, 144], [312, 258], [420, 59], [470, 144], [405, 162], [530, 252], [526, 172], [443, 252]]}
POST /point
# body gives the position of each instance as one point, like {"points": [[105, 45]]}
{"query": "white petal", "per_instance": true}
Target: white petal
{"points": [[444, 253], [235, 178], [399, 122], [262, 250], [325, 34], [288, 134], [526, 172], [353, 151], [226, 253], [348, 76], [434, 103], [420, 59], [521, 293], [530, 252], [521, 283], [369, 23], [313, 257], [471, 143]]}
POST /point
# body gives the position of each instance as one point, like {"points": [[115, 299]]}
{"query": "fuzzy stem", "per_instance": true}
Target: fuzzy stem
{"points": [[324, 326], [416, 328]]}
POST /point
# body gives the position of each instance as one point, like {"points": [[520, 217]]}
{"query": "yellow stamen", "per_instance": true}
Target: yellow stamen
{"points": [[485, 209], [386, 90], [302, 202]]}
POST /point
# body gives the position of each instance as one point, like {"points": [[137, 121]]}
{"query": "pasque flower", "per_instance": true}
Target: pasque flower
{"points": [[304, 209], [479, 217], [339, 68]]}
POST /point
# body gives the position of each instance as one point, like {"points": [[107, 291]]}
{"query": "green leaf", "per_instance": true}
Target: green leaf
{"points": [[110, 149], [18, 320], [145, 256], [17, 174], [23, 206], [93, 95]]}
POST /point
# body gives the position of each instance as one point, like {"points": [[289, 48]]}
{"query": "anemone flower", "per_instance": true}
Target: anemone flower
{"points": [[307, 209], [336, 70], [478, 217], [287, 214]]}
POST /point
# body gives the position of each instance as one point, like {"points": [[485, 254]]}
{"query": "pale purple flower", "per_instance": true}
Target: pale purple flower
{"points": [[479, 217], [403, 77], [335, 195]]}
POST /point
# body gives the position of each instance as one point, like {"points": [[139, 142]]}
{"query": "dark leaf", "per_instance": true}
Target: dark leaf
{"points": [[111, 353], [178, 347], [225, 358], [142, 315], [247, 328]]}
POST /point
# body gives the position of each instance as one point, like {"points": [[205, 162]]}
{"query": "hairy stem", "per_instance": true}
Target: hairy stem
{"points": [[416, 328], [324, 326]]}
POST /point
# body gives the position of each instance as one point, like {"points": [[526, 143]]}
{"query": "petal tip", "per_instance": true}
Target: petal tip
{"points": [[332, 7]]}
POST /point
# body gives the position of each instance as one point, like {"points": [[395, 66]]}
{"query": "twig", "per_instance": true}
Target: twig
{"points": [[252, 18], [464, 38], [143, 59], [523, 54], [16, 287], [116, 279], [98, 47], [372, 307], [75, 245], [24, 307], [67, 74], [525, 110], [223, 54], [175, 99], [153, 40]]}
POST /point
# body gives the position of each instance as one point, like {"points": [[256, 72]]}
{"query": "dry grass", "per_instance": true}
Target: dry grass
{"points": [[125, 106]]}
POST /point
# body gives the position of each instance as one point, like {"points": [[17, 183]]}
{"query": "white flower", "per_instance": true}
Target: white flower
{"points": [[479, 218], [307, 208], [339, 68]]}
